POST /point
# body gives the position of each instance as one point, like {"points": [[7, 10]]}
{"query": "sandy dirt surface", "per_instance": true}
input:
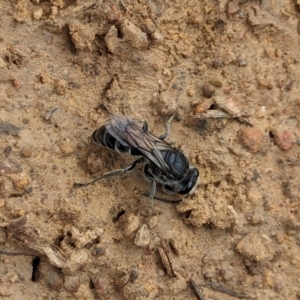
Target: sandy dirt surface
{"points": [[229, 70]]}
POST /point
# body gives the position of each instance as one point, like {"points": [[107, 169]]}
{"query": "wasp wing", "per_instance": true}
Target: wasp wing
{"points": [[131, 132], [149, 145], [116, 125]]}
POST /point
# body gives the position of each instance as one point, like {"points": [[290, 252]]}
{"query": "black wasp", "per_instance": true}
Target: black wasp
{"points": [[164, 163]]}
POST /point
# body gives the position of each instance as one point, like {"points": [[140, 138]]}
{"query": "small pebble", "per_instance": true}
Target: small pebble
{"points": [[284, 139], [60, 86], [257, 218], [100, 287], [26, 151], [153, 222], [156, 38], [253, 139], [226, 90], [142, 238], [51, 275], [227, 104], [202, 107], [256, 246], [227, 274], [279, 237], [37, 14], [208, 90], [216, 82], [131, 224], [79, 258], [16, 83], [54, 12], [148, 27], [17, 212], [66, 146], [191, 93], [175, 246], [20, 181], [264, 82], [241, 61], [99, 251], [295, 262], [167, 72], [14, 278], [71, 283]]}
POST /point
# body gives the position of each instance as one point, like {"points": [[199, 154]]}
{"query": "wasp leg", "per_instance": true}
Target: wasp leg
{"points": [[152, 193], [145, 126], [168, 128], [112, 173], [152, 196], [149, 176]]}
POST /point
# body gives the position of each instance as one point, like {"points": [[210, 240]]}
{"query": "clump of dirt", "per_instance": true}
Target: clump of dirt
{"points": [[228, 70]]}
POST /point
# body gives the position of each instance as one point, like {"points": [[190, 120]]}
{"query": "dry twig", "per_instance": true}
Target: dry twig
{"points": [[225, 290], [198, 292], [167, 258]]}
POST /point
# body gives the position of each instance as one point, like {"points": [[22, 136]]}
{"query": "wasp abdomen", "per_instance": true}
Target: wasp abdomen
{"points": [[99, 136], [102, 137]]}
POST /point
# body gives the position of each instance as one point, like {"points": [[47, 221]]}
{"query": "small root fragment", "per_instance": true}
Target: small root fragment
{"points": [[225, 290], [167, 258], [197, 291]]}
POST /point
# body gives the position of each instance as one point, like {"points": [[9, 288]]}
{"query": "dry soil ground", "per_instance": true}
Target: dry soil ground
{"points": [[61, 60]]}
